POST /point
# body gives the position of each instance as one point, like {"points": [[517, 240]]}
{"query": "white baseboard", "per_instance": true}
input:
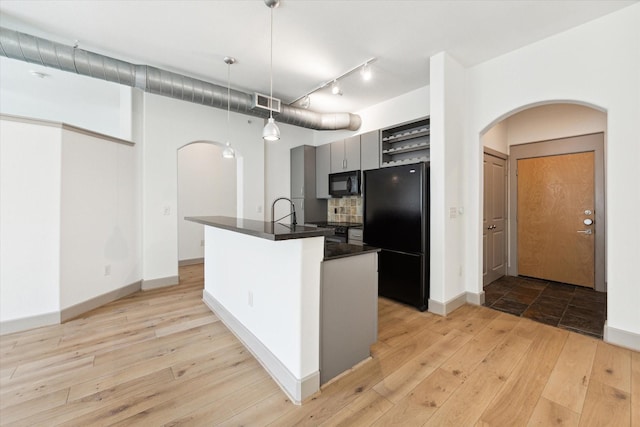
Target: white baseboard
{"points": [[191, 261], [81, 308], [160, 283], [621, 338], [57, 317], [30, 322], [475, 298], [297, 389], [442, 309]]}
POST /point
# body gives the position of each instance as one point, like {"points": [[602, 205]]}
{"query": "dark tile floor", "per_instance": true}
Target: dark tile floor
{"points": [[569, 307]]}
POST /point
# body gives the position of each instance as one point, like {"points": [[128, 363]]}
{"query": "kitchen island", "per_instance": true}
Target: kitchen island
{"points": [[264, 281]]}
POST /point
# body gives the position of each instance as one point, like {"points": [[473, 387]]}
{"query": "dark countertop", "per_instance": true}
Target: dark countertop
{"points": [[262, 229], [341, 250], [336, 224]]}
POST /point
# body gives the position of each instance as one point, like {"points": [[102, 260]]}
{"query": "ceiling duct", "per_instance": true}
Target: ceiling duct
{"points": [[28, 48]]}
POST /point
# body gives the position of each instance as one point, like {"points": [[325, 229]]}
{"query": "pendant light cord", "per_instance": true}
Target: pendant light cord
{"points": [[228, 101], [271, 70]]}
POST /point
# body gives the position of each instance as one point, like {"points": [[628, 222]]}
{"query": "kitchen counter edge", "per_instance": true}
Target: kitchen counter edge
{"points": [[343, 250], [261, 229]]}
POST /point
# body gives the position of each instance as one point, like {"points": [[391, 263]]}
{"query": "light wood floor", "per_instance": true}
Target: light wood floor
{"points": [[162, 358]]}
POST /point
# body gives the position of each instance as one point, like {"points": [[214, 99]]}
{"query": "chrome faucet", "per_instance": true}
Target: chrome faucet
{"points": [[292, 214]]}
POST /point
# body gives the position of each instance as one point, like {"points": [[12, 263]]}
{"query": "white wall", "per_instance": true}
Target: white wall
{"points": [[597, 64], [206, 186], [29, 223], [168, 124], [447, 187], [100, 217], [63, 97], [553, 121], [70, 208], [496, 138]]}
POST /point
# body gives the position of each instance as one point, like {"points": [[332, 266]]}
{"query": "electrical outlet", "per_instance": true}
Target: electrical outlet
{"points": [[107, 270], [202, 242], [167, 210], [259, 208], [250, 299]]}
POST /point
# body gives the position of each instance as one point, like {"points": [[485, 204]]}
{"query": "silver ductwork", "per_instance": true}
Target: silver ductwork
{"points": [[28, 48]]}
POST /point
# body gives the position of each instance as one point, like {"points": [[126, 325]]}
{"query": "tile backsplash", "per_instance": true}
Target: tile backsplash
{"points": [[345, 209]]}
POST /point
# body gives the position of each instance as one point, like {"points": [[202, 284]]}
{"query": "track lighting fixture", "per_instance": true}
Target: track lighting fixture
{"points": [[271, 132], [336, 89]]}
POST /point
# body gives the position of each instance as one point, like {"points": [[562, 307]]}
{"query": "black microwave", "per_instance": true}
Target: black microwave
{"points": [[344, 184]]}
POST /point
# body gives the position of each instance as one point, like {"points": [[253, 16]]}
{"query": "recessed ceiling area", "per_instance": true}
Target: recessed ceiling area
{"points": [[313, 41]]}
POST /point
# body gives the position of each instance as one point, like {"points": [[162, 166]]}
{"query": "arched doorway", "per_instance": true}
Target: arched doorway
{"points": [[543, 137], [207, 185]]}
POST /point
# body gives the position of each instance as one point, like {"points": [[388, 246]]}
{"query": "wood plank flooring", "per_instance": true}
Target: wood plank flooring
{"points": [[162, 358]]}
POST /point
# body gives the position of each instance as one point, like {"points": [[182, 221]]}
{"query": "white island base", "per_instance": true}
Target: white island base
{"points": [[268, 294]]}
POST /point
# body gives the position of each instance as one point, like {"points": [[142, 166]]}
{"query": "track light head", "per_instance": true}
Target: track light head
{"points": [[365, 72], [335, 88]]}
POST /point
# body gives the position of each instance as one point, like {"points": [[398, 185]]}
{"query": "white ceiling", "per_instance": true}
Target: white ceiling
{"points": [[314, 41]]}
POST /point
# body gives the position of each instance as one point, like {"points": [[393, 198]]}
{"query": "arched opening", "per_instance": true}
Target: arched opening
{"points": [[208, 185], [543, 169]]}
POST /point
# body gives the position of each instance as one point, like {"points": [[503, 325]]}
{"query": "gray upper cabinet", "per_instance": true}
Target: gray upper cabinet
{"points": [[303, 185], [323, 168], [370, 150], [303, 172], [300, 157], [337, 156], [345, 154]]}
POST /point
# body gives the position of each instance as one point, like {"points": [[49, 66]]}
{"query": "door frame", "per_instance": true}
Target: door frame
{"points": [[569, 145], [505, 157]]}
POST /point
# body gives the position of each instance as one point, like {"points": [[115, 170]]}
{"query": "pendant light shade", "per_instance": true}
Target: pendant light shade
{"points": [[271, 132], [228, 152]]}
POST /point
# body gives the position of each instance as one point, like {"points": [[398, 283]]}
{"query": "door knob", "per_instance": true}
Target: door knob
{"points": [[585, 231], [588, 221]]}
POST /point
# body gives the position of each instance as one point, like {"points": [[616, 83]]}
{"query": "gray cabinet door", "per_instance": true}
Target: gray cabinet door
{"points": [[345, 155], [352, 153], [297, 172], [323, 168], [337, 156], [370, 150], [303, 171]]}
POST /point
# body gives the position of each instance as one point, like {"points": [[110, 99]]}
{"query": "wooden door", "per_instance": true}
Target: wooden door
{"points": [[555, 196], [494, 235]]}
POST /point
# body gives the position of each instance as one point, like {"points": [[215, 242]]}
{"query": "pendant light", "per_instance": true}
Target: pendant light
{"points": [[271, 132], [228, 152]]}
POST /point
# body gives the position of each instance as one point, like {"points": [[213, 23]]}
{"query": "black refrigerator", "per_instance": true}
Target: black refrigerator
{"points": [[396, 219]]}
